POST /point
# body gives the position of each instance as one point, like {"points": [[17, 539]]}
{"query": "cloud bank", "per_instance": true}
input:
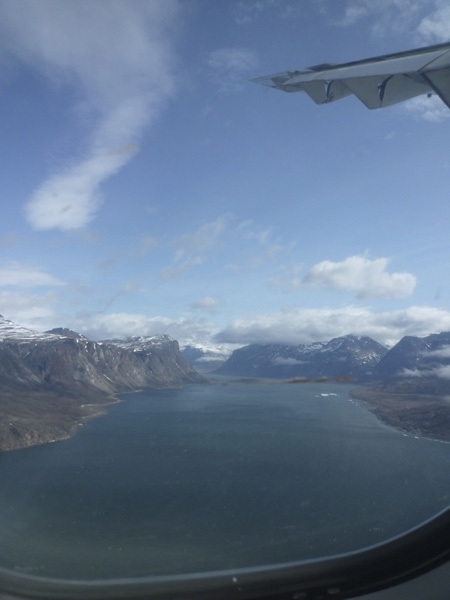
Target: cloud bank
{"points": [[307, 325], [17, 274], [104, 326], [290, 326], [117, 55]]}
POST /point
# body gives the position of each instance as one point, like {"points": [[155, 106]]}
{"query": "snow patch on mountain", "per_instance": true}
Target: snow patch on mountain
{"points": [[347, 356], [141, 343], [10, 331]]}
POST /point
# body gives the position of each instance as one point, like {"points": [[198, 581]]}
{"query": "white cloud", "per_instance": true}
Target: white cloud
{"points": [[307, 325], [443, 372], [429, 20], [229, 67], [290, 279], [413, 373], [279, 360], [118, 55], [441, 353], [17, 274], [272, 246], [435, 27], [430, 108], [291, 326], [128, 288], [71, 199], [191, 249], [207, 304], [35, 311], [258, 246], [20, 302], [148, 243], [353, 13], [359, 275], [104, 326], [181, 268], [232, 59], [245, 12], [385, 15], [203, 239]]}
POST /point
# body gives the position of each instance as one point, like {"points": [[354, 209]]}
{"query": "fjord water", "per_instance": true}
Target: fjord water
{"points": [[214, 477]]}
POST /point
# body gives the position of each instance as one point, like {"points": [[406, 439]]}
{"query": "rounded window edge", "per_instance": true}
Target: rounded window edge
{"points": [[374, 568]]}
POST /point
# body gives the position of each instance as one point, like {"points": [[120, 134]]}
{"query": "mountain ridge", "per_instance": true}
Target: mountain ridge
{"points": [[50, 382], [346, 356]]}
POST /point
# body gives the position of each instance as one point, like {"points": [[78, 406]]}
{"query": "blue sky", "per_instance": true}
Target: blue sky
{"points": [[148, 187]]}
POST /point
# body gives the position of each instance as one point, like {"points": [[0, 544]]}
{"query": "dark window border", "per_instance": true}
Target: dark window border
{"points": [[385, 565]]}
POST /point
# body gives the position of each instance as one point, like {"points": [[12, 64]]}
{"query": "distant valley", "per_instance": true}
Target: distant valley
{"points": [[406, 386], [51, 382]]}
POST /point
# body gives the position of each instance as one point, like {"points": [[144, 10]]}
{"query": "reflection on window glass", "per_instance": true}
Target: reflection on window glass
{"points": [[225, 330]]}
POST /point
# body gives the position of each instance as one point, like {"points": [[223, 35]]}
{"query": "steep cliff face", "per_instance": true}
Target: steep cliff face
{"points": [[164, 365], [50, 382], [72, 362]]}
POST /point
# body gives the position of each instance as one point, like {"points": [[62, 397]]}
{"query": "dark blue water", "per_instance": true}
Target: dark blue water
{"points": [[214, 477]]}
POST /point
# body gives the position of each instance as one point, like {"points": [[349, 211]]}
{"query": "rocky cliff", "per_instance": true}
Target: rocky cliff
{"points": [[49, 381]]}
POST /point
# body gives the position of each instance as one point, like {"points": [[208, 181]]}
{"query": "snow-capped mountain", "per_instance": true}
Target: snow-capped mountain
{"points": [[51, 381], [348, 356], [415, 357], [10, 331], [141, 343], [68, 360], [206, 359]]}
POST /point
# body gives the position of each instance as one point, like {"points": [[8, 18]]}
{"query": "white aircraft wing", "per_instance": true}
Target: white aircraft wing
{"points": [[377, 82]]}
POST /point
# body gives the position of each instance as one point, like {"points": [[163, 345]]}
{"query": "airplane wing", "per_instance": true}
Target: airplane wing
{"points": [[376, 82]]}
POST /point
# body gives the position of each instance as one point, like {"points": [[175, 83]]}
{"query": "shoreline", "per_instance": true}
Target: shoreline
{"points": [[421, 415], [36, 417], [99, 410]]}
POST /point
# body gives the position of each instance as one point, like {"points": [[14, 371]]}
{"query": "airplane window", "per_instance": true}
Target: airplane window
{"points": [[225, 310]]}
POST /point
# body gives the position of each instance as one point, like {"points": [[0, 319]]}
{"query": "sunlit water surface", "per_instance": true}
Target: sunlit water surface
{"points": [[213, 477]]}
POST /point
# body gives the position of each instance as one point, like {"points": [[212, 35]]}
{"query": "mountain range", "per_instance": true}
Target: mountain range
{"points": [[414, 364], [63, 358], [349, 356], [51, 382]]}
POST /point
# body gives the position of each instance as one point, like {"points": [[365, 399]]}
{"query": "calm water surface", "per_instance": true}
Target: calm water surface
{"points": [[213, 477]]}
